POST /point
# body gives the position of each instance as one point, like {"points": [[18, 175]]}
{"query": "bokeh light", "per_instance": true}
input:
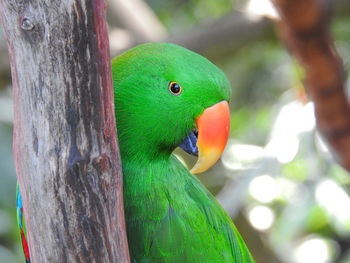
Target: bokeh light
{"points": [[293, 119], [262, 8], [263, 188], [237, 156], [261, 217], [337, 203], [314, 249]]}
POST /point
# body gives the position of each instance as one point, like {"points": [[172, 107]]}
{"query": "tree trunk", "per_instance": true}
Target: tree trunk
{"points": [[65, 146]]}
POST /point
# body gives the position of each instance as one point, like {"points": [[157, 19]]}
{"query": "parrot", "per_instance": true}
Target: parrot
{"points": [[165, 97]]}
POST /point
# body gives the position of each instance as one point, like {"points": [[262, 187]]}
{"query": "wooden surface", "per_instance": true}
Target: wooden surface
{"points": [[65, 145], [305, 30]]}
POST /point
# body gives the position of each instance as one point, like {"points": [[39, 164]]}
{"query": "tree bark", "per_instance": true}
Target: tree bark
{"points": [[65, 145], [304, 27]]}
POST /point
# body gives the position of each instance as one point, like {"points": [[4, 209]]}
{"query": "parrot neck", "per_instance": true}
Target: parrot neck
{"points": [[150, 161], [142, 152], [144, 186]]}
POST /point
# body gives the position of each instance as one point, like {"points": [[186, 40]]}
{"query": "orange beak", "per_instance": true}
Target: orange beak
{"points": [[213, 130]]}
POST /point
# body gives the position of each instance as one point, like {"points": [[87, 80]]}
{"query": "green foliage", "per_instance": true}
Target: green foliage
{"points": [[296, 170], [185, 13], [341, 31], [251, 126], [317, 219]]}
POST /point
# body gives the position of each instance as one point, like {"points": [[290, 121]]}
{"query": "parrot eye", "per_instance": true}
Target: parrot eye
{"points": [[174, 88]]}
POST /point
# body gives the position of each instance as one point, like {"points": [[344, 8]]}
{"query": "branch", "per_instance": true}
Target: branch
{"points": [[65, 146], [305, 30]]}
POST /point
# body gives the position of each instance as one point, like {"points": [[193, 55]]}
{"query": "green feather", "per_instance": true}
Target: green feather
{"points": [[170, 215]]}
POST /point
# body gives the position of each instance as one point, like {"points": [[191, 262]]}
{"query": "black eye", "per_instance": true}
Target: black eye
{"points": [[175, 88]]}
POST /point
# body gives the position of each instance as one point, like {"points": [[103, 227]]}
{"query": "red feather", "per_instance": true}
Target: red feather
{"points": [[25, 246]]}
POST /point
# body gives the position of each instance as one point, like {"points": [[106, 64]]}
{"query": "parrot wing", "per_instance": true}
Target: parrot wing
{"points": [[194, 228], [21, 225]]}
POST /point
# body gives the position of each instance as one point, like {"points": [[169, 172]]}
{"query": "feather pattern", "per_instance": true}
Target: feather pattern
{"points": [[21, 225], [173, 218]]}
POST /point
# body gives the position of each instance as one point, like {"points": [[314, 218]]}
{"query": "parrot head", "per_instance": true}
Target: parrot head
{"points": [[167, 96]]}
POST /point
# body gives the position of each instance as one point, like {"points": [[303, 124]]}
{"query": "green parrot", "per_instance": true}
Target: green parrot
{"points": [[167, 96]]}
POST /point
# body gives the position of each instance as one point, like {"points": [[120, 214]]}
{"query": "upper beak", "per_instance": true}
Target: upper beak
{"points": [[213, 131]]}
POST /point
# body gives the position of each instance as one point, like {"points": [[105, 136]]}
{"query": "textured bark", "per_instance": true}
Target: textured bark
{"points": [[304, 27], [65, 146]]}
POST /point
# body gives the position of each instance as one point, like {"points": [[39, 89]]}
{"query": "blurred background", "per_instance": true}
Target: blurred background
{"points": [[277, 178]]}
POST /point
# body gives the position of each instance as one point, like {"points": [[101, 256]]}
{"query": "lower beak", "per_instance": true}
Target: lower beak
{"points": [[213, 130]]}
